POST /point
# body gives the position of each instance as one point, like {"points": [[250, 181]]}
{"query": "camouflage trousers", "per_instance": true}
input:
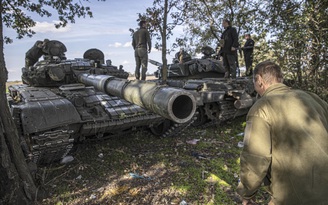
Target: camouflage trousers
{"points": [[229, 63], [248, 57], [141, 57]]}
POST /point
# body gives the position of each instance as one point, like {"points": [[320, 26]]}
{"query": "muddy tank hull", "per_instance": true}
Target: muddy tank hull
{"points": [[51, 121], [218, 99], [63, 102]]}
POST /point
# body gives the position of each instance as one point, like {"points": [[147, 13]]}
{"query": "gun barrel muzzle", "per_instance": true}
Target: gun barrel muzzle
{"points": [[175, 104]]}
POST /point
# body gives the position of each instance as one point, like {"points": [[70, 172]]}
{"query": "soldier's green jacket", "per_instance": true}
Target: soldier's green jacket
{"points": [[33, 54], [286, 147], [141, 39]]}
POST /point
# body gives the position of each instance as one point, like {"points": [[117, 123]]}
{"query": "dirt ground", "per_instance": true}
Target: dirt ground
{"points": [[201, 166]]}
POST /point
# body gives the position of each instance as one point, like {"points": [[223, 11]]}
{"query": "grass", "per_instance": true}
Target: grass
{"points": [[144, 169]]}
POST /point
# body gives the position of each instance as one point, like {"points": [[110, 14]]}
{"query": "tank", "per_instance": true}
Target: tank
{"points": [[63, 102], [217, 99], [55, 70], [185, 67]]}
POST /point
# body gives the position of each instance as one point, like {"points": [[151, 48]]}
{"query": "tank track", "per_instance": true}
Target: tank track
{"points": [[51, 146], [177, 128], [227, 111], [46, 147]]}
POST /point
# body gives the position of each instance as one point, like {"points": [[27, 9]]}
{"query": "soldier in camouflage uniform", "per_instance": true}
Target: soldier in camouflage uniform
{"points": [[33, 54], [248, 54], [140, 41], [285, 143], [181, 57]]}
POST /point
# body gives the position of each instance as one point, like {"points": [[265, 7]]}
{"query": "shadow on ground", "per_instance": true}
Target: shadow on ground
{"points": [[199, 167]]}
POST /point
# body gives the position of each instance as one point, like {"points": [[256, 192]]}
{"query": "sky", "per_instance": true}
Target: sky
{"points": [[108, 31]]}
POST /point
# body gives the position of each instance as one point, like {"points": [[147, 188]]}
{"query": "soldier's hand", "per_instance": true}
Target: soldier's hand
{"points": [[233, 48], [149, 51], [248, 202], [245, 201]]}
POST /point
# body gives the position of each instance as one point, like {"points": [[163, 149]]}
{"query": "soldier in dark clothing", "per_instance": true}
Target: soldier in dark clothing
{"points": [[140, 41], [33, 54], [229, 45], [248, 54]]}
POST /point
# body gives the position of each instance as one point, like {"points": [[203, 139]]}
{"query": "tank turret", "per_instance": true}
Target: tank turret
{"points": [[56, 70], [217, 99], [192, 68]]}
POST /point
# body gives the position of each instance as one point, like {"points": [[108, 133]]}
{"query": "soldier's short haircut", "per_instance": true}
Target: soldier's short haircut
{"points": [[226, 20], [142, 22], [269, 71], [37, 43]]}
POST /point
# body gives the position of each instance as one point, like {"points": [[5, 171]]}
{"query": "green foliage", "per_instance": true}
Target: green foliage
{"points": [[203, 20], [300, 41], [162, 18], [15, 14], [293, 33]]}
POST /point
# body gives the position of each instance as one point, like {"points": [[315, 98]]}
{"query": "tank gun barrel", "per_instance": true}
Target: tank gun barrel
{"points": [[155, 62], [172, 103]]}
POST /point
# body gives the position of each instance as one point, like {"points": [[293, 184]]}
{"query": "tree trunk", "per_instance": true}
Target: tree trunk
{"points": [[16, 182], [164, 60], [298, 59], [12, 187]]}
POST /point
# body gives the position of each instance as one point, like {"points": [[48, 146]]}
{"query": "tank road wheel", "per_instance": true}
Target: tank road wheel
{"points": [[176, 128], [201, 117], [160, 128], [212, 111], [168, 128]]}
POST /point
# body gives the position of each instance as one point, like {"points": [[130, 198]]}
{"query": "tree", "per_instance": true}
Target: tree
{"points": [[203, 20], [17, 184], [300, 30], [158, 17], [292, 33]]}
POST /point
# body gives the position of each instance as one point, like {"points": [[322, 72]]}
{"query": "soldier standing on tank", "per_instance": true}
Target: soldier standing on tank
{"points": [[182, 56], [229, 44], [33, 54], [141, 43], [248, 54]]}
